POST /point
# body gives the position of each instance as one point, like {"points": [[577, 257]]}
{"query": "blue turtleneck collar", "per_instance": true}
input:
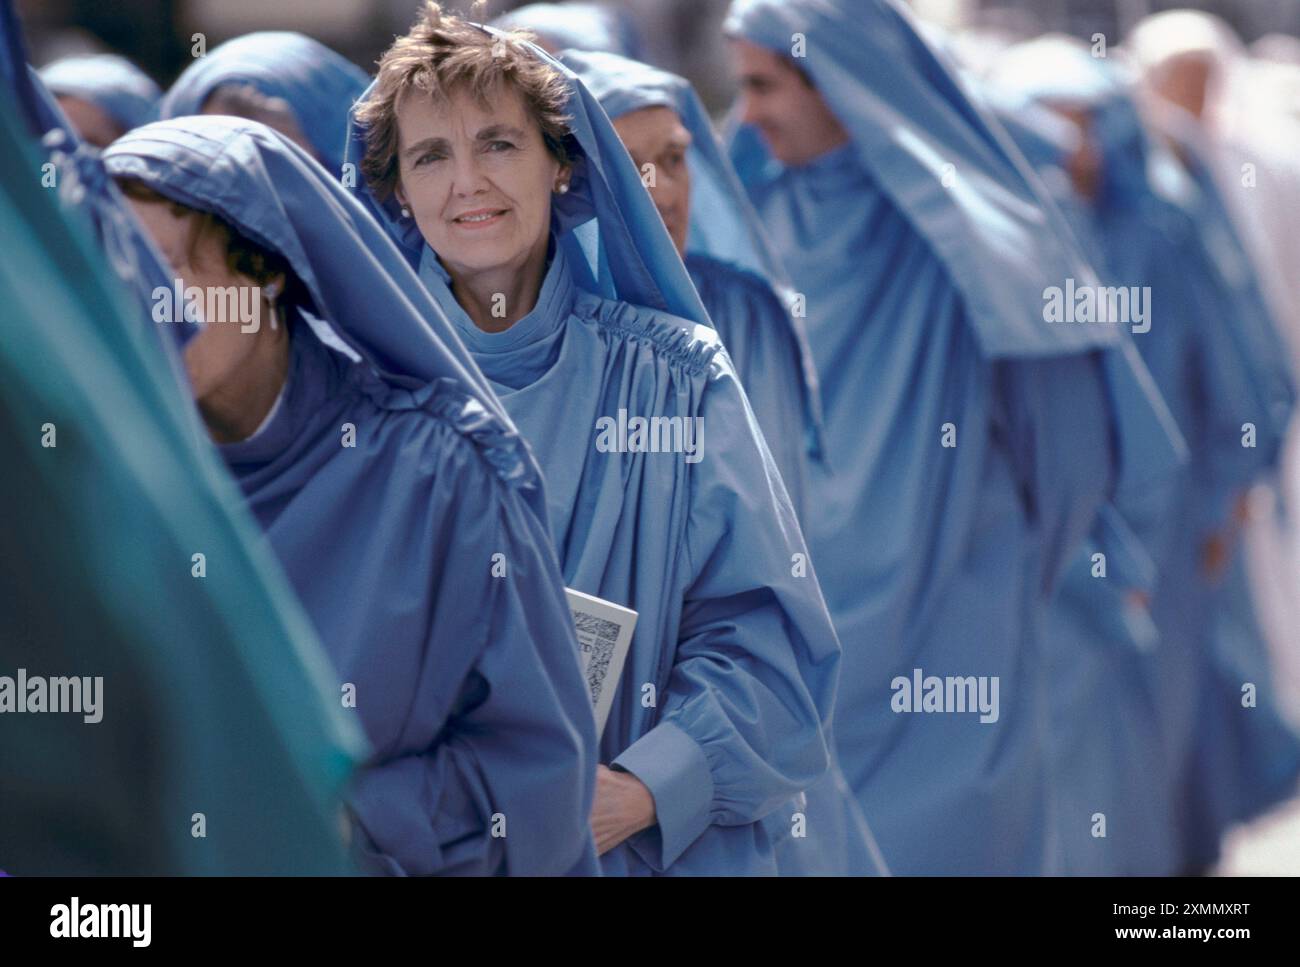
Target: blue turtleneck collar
{"points": [[519, 355]]}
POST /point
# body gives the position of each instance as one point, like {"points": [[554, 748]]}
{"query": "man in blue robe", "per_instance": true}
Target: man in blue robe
{"points": [[970, 441]]}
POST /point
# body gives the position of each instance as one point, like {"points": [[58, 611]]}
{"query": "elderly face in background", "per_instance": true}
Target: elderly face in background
{"points": [[780, 101], [656, 137]]}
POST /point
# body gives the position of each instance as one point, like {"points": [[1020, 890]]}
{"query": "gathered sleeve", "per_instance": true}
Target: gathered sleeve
{"points": [[742, 724]]}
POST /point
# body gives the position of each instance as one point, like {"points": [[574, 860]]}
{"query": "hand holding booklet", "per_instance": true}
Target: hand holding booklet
{"points": [[604, 635]]}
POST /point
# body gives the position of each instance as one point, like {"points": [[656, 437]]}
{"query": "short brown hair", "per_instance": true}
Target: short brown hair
{"points": [[242, 254], [441, 53]]}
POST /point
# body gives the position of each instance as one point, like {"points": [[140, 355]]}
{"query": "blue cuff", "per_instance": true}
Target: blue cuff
{"points": [[673, 767]]}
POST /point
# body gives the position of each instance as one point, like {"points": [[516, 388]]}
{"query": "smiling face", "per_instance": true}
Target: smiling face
{"points": [[796, 124], [477, 178], [656, 136]]}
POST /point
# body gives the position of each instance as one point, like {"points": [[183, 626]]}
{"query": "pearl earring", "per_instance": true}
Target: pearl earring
{"points": [[406, 212], [563, 189]]}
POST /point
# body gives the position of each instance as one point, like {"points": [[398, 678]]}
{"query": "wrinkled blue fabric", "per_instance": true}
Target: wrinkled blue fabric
{"points": [[926, 321], [745, 292], [731, 672], [466, 680], [113, 84], [95, 579], [319, 84], [1111, 774]]}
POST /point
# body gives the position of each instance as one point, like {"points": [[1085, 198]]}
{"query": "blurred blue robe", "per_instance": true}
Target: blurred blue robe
{"points": [[576, 26], [467, 681], [731, 672], [1220, 364], [319, 84], [113, 84], [1113, 784], [926, 320], [96, 577]]}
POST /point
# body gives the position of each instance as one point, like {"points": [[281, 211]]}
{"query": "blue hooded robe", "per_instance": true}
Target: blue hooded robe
{"points": [[731, 672], [404, 509], [1220, 365], [113, 84], [576, 26], [970, 442], [318, 83]]}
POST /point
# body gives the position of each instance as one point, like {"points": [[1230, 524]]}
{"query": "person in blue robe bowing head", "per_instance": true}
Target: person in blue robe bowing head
{"points": [[103, 95], [396, 494], [286, 80], [509, 188], [970, 441]]}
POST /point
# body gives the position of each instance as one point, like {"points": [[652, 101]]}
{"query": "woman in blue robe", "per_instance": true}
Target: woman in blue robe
{"points": [[397, 496], [716, 231], [969, 441], [286, 80], [103, 94], [1219, 364], [716, 726], [717, 234]]}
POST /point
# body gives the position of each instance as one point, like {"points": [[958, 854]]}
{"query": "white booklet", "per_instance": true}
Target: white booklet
{"points": [[604, 634]]}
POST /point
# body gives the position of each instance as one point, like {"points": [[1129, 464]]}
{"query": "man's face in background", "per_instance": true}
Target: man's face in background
{"points": [[778, 99]]}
